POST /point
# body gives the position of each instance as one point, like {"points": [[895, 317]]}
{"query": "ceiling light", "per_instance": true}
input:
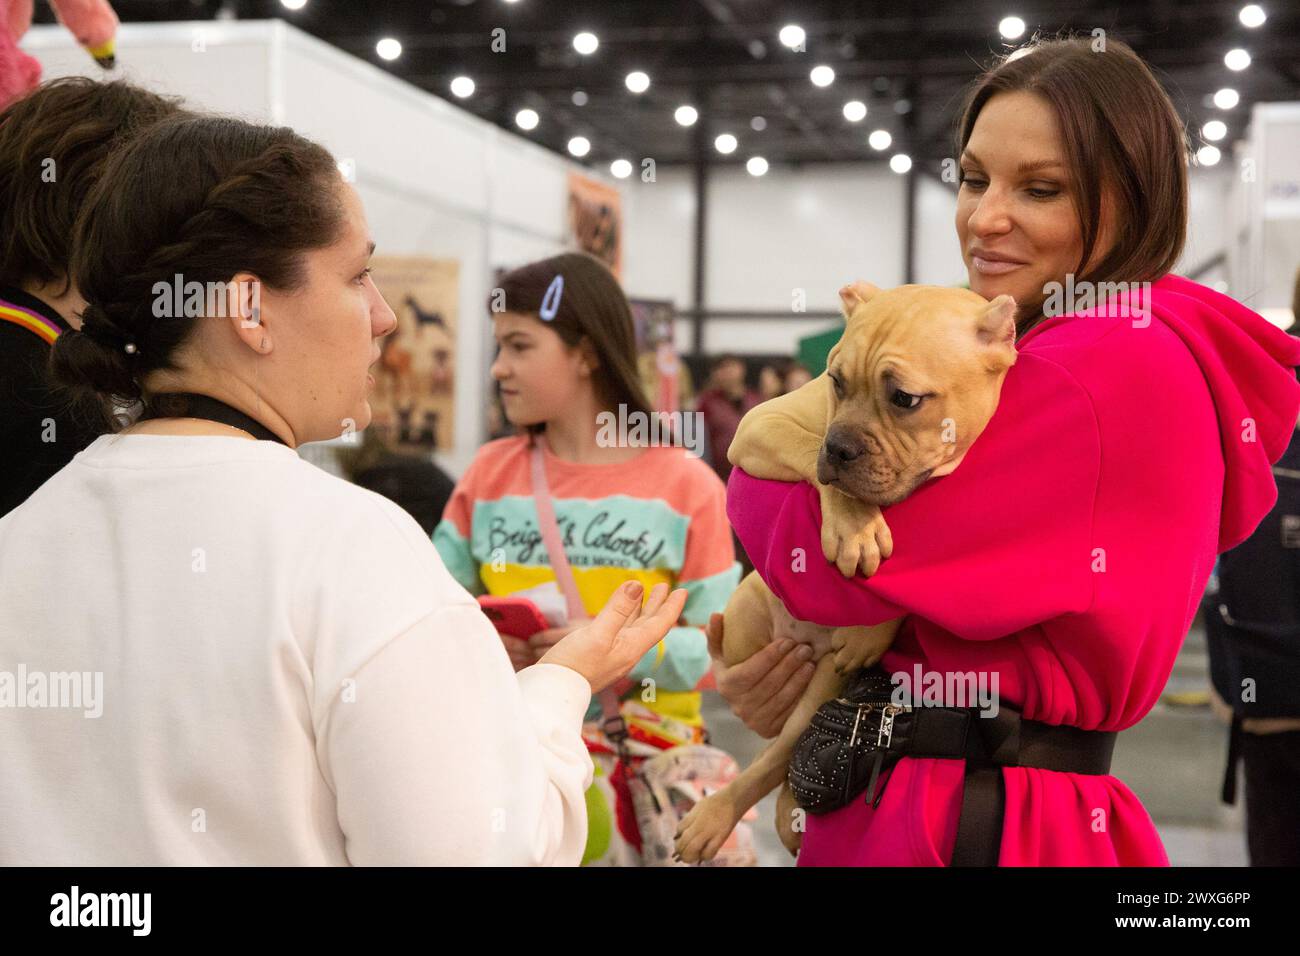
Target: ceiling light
{"points": [[637, 81], [1226, 98], [855, 111], [526, 119], [822, 75], [388, 48], [1208, 155], [726, 143], [1011, 28], [1236, 59], [686, 115], [585, 43], [579, 146], [879, 139], [900, 162], [621, 168], [1214, 130], [792, 35], [1252, 15], [462, 86], [756, 165]]}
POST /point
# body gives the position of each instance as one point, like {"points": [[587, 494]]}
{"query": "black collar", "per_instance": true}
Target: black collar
{"points": [[26, 300], [191, 405]]}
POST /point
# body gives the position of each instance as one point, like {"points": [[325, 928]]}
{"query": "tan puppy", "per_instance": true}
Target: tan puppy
{"points": [[909, 387]]}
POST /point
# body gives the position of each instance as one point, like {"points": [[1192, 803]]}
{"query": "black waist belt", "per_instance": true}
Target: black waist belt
{"points": [[987, 744]]}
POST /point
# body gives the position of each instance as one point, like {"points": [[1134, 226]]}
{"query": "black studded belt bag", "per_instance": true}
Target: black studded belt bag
{"points": [[854, 738]]}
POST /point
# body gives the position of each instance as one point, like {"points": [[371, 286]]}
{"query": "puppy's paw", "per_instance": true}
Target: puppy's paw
{"points": [[854, 534], [858, 647], [705, 828]]}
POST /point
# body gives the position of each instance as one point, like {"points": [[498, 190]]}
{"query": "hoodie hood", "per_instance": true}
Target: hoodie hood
{"points": [[1248, 364]]}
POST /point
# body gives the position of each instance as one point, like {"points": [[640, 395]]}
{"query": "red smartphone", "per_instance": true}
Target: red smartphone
{"points": [[515, 616]]}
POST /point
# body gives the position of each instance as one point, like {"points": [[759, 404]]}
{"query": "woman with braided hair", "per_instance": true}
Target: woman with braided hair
{"points": [[277, 667]]}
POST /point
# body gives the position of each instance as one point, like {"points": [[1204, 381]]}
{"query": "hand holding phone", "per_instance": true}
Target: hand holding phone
{"points": [[515, 616]]}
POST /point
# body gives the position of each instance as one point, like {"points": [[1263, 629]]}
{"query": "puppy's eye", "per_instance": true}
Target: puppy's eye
{"points": [[904, 399], [839, 386]]}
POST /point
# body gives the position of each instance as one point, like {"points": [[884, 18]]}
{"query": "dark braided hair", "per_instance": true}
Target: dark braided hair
{"points": [[200, 197]]}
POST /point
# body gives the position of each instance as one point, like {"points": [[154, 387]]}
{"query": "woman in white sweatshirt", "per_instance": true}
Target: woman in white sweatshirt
{"points": [[212, 652]]}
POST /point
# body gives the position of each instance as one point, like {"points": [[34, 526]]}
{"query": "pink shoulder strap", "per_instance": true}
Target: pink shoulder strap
{"points": [[550, 531]]}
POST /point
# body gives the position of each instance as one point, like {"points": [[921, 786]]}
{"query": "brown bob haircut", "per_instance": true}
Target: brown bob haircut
{"points": [[1121, 136], [53, 144], [591, 306]]}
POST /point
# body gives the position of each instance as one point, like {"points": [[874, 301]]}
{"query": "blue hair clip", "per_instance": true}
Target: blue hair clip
{"points": [[551, 301]]}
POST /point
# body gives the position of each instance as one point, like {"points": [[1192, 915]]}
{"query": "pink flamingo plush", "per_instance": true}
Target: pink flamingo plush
{"points": [[92, 22]]}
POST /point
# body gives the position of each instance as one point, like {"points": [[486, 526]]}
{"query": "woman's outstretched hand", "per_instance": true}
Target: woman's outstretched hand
{"points": [[763, 690], [606, 648]]}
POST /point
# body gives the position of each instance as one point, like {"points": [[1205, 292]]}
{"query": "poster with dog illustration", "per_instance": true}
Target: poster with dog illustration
{"points": [[596, 220], [414, 395]]}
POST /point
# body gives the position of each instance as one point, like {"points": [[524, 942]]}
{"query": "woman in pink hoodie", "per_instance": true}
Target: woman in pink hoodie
{"points": [[1065, 557]]}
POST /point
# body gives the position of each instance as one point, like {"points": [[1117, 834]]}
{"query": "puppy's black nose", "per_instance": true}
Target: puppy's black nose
{"points": [[842, 448]]}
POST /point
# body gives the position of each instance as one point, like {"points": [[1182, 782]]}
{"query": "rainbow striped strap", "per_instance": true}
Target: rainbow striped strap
{"points": [[29, 320]]}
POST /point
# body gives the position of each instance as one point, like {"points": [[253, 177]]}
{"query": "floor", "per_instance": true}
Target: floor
{"points": [[1173, 760]]}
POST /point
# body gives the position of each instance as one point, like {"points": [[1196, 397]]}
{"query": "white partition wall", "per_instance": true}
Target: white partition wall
{"points": [[435, 180], [1265, 223], [810, 229]]}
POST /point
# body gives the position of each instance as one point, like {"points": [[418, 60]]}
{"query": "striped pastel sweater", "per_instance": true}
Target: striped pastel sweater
{"points": [[660, 516]]}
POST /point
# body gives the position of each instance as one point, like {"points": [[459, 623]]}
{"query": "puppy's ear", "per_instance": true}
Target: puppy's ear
{"points": [[997, 324], [997, 327], [854, 294]]}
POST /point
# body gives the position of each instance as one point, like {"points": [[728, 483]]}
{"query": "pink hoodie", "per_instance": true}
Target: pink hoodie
{"points": [[1065, 556]]}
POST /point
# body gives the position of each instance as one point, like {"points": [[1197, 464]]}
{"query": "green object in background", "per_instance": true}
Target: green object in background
{"points": [[814, 349], [600, 822]]}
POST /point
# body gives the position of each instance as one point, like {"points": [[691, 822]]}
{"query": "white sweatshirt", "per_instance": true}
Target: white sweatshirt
{"points": [[287, 675]]}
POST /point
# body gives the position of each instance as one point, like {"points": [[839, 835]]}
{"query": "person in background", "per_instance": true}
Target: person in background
{"points": [[1252, 628], [796, 376], [771, 380], [723, 404], [414, 482], [654, 513], [660, 360], [53, 144]]}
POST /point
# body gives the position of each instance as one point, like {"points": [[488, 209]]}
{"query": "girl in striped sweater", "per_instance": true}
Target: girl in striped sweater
{"points": [[566, 354]]}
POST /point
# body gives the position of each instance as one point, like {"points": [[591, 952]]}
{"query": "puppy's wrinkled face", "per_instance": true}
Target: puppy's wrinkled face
{"points": [[914, 381]]}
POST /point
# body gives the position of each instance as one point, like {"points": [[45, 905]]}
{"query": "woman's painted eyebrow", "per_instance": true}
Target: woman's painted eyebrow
{"points": [[1027, 167]]}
